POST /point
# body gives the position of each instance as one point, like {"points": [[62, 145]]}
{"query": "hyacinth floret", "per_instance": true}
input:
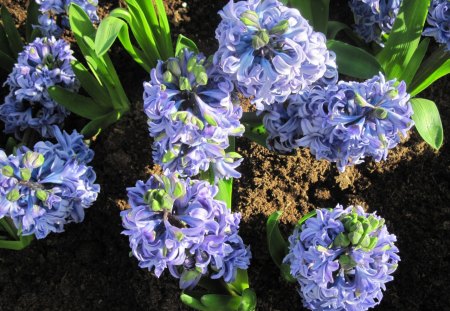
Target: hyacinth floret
{"points": [[191, 115], [374, 18], [342, 259], [44, 63], [54, 18], [177, 224], [43, 189], [269, 50], [439, 22]]}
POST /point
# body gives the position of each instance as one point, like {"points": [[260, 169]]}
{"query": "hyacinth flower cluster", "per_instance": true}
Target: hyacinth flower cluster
{"points": [[342, 259], [43, 189], [54, 18], [191, 115], [177, 224], [343, 123], [439, 22], [374, 18], [269, 50], [44, 63]]}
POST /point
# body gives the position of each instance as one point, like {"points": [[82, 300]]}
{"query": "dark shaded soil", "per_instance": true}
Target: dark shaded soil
{"points": [[88, 267]]}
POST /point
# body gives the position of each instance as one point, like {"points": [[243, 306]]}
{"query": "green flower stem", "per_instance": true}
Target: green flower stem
{"points": [[7, 225]]}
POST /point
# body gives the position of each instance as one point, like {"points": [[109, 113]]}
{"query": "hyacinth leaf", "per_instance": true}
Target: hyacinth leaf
{"points": [[334, 28], [248, 302], [240, 284], [414, 63], [221, 302], [354, 61], [278, 247], [14, 39], [165, 28], [4, 43], [90, 84], [192, 302], [17, 245], [185, 42], [11, 144], [76, 103], [428, 121], [32, 19], [433, 68], [78, 22], [306, 217], [107, 33], [315, 11], [6, 62], [225, 191], [94, 127], [404, 37]]}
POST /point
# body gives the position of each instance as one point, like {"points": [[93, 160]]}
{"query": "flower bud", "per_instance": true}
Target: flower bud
{"points": [[174, 67], [168, 77], [341, 240], [280, 28], [260, 40], [191, 63], [185, 85], [381, 113], [25, 174], [33, 159], [347, 262], [158, 199], [8, 171], [250, 18], [42, 195], [13, 195]]}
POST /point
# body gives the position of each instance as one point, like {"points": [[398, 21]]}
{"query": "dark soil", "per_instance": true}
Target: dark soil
{"points": [[88, 266]]}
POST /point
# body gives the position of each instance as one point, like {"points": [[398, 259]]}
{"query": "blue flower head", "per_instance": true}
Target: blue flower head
{"points": [[55, 15], [342, 259], [44, 63], [374, 18], [191, 115], [43, 189], [343, 123], [439, 22], [269, 50], [177, 224]]}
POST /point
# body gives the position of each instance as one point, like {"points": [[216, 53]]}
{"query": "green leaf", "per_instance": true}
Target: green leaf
{"points": [[428, 121], [14, 39], [434, 67], [80, 23], [241, 282], [221, 302], [164, 29], [305, 8], [32, 19], [192, 302], [76, 103], [354, 61], [404, 37], [4, 43], [121, 13], [225, 191], [306, 217], [185, 42], [334, 28], [278, 247], [315, 11], [107, 33], [248, 302], [94, 127], [6, 62], [90, 84], [414, 64]]}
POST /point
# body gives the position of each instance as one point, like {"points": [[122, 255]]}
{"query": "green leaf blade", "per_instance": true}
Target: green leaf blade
{"points": [[354, 61], [278, 247], [428, 121]]}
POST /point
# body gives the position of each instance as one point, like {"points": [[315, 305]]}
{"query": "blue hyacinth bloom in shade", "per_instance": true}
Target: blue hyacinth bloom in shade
{"points": [[43, 189], [269, 50], [177, 224], [44, 63], [343, 123], [55, 19], [342, 259], [191, 115], [374, 18], [439, 22]]}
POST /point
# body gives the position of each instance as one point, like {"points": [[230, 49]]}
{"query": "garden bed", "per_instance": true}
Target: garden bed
{"points": [[88, 267]]}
